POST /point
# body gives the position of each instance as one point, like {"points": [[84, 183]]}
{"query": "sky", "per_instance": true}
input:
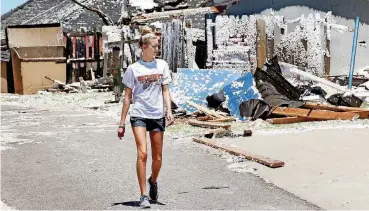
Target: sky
{"points": [[7, 5]]}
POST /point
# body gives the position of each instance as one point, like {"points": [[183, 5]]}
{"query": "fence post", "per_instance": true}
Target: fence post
{"points": [[327, 53]]}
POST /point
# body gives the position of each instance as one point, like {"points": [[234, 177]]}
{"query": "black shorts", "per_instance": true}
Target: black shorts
{"points": [[155, 125]]}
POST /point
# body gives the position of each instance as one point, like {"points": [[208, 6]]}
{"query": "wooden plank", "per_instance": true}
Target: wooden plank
{"points": [[174, 13], [51, 59], [205, 118], [290, 120], [204, 109], [316, 114], [261, 48], [362, 114], [224, 119], [208, 124], [238, 152], [332, 107], [294, 69]]}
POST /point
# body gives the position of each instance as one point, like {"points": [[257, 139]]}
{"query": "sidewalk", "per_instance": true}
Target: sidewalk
{"points": [[329, 168]]}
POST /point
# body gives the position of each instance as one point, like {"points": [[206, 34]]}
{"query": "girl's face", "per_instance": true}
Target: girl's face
{"points": [[151, 49]]}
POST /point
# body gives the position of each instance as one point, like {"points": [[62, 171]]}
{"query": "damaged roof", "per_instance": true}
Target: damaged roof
{"points": [[73, 17], [66, 12]]}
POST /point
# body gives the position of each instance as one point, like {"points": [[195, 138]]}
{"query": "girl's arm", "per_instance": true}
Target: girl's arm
{"points": [[126, 104], [168, 103]]}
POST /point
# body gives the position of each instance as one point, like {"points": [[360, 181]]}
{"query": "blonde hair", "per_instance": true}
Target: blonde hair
{"points": [[146, 35]]}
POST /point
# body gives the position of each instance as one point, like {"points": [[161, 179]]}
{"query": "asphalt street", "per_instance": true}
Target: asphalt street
{"points": [[73, 160]]}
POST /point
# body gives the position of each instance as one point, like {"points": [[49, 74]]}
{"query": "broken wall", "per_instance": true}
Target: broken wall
{"points": [[34, 81], [37, 51], [344, 13]]}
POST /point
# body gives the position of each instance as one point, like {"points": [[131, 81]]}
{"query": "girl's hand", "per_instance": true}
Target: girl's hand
{"points": [[170, 118], [121, 131]]}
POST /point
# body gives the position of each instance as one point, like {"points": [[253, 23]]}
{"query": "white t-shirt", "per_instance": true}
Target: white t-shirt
{"points": [[146, 80]]}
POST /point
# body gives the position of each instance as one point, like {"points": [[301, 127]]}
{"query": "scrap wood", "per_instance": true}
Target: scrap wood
{"points": [[62, 84], [205, 118], [205, 110], [316, 114], [295, 69], [55, 81], [238, 152], [362, 114], [208, 124], [290, 120], [332, 108], [224, 119]]}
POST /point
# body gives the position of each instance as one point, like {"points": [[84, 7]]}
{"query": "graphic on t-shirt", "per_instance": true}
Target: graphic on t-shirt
{"points": [[148, 80]]}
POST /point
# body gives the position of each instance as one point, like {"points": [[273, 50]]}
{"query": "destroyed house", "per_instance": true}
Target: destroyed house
{"points": [[82, 27], [315, 34], [73, 16]]}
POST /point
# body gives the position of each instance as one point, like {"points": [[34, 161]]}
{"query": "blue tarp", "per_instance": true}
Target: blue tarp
{"points": [[197, 84], [238, 91]]}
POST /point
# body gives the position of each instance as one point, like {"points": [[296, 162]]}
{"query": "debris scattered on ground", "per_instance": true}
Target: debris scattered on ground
{"points": [[96, 85], [247, 133], [264, 97]]}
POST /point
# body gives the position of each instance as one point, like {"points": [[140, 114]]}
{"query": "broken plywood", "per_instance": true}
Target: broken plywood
{"points": [[316, 114]]}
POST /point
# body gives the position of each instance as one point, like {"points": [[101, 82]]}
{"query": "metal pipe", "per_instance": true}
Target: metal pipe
{"points": [[353, 53]]}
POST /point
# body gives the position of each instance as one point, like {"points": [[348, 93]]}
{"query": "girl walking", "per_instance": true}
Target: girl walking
{"points": [[147, 85]]}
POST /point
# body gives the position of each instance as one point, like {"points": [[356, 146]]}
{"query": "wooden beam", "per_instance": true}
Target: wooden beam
{"points": [[294, 69], [316, 114], [175, 13], [204, 109], [362, 114], [224, 119], [290, 120], [50, 59], [205, 118], [238, 152], [261, 45], [208, 124], [332, 108]]}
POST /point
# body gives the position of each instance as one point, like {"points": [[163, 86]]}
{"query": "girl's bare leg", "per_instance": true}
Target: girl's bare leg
{"points": [[156, 139], [140, 137]]}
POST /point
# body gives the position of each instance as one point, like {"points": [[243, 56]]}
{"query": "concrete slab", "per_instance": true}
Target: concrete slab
{"points": [[329, 168]]}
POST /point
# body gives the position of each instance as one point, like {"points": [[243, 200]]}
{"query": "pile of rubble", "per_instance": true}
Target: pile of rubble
{"points": [[95, 85], [279, 93], [268, 94]]}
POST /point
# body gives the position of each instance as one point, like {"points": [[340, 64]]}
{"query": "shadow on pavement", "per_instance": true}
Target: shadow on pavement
{"points": [[135, 203]]}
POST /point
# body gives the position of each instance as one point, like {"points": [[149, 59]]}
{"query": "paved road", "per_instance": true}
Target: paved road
{"points": [[73, 160]]}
